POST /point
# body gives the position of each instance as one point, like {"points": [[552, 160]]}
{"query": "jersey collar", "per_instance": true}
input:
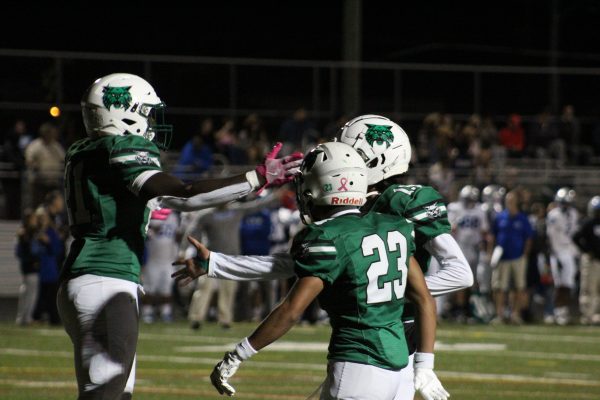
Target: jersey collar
{"points": [[337, 214]]}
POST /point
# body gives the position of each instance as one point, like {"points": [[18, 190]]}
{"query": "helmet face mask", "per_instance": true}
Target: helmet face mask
{"points": [[381, 143], [332, 174], [125, 104]]}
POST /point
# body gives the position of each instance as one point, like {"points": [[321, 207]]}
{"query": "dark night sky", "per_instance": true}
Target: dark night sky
{"points": [[506, 32], [430, 31]]}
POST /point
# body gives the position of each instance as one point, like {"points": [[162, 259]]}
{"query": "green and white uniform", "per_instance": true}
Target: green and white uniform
{"points": [[425, 208], [108, 220], [363, 262]]}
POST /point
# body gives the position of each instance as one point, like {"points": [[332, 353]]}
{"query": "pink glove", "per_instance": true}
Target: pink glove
{"points": [[278, 171]]}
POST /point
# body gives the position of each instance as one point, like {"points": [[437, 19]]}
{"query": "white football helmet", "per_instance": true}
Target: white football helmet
{"points": [[593, 207], [469, 194], [493, 194], [382, 144], [332, 174], [565, 196], [125, 104]]}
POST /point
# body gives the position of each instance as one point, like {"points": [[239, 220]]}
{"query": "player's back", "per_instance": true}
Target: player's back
{"points": [[107, 220], [363, 261]]}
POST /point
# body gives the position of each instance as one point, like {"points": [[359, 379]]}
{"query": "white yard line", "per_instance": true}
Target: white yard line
{"points": [[514, 336]]}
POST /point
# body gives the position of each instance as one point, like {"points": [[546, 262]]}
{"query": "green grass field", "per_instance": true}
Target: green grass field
{"points": [[474, 362]]}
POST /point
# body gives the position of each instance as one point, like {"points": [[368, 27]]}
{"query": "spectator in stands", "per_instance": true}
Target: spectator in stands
{"points": [[542, 138], [441, 176], [253, 138], [296, 131], [195, 158], [570, 132], [51, 251], [427, 149], [29, 262], [253, 133], [512, 136], [488, 131], [207, 132], [227, 144], [512, 234], [13, 152], [45, 163]]}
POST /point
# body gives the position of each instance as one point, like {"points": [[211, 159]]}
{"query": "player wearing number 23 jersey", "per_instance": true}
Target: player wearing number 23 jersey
{"points": [[362, 260], [360, 267]]}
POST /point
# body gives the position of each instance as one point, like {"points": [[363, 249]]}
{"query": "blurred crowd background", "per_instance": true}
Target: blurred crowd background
{"points": [[500, 96], [530, 160]]}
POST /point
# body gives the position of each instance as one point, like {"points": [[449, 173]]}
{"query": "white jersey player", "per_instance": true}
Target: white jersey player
{"points": [[161, 250], [562, 223], [469, 223], [470, 227]]}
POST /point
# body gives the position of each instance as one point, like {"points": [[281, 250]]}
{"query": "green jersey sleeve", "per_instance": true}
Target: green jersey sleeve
{"points": [[131, 155], [422, 205], [315, 255]]}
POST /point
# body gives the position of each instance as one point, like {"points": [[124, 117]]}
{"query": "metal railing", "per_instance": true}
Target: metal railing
{"points": [[386, 86]]}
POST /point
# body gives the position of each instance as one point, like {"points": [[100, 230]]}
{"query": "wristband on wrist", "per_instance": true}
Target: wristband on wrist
{"points": [[201, 262], [424, 360], [252, 179], [245, 350]]}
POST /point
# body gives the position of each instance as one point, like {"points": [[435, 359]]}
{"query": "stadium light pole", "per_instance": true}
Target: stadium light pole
{"points": [[351, 51]]}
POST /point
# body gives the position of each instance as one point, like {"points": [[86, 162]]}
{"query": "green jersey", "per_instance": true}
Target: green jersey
{"points": [[107, 220], [363, 262], [423, 206]]}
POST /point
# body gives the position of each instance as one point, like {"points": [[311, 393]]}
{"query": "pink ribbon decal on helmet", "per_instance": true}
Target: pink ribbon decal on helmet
{"points": [[343, 187]]}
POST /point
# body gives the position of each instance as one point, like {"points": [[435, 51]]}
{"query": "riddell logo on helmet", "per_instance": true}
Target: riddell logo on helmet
{"points": [[350, 201]]}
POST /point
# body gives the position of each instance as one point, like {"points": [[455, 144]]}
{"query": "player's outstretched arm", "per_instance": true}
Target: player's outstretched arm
{"points": [[234, 268], [279, 321], [176, 194], [455, 273], [426, 381]]}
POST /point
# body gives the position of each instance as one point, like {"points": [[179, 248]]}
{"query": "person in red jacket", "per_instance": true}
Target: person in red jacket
{"points": [[512, 136]]}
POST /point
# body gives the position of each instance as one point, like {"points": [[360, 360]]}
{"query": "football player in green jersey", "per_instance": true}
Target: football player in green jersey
{"points": [[386, 150], [110, 176], [361, 267]]}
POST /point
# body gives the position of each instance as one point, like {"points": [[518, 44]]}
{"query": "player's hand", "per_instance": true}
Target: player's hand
{"points": [[194, 267], [224, 370], [278, 171], [428, 385]]}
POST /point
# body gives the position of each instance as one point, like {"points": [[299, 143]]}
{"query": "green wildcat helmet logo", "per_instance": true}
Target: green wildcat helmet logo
{"points": [[117, 97], [380, 134]]}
